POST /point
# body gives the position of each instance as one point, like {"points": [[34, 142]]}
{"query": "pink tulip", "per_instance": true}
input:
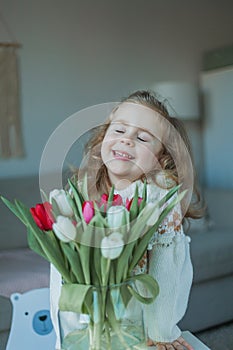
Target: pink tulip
{"points": [[88, 211]]}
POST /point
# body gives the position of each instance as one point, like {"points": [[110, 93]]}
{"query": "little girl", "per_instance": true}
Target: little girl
{"points": [[141, 141]]}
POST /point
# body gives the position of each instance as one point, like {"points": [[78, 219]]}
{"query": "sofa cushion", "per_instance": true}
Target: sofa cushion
{"points": [[5, 314], [13, 233], [22, 270], [212, 254]]}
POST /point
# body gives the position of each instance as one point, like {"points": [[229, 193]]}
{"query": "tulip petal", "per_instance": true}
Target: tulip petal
{"points": [[112, 245], [64, 229], [88, 211], [62, 202]]}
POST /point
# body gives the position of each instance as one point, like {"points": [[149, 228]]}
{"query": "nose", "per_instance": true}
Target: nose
{"points": [[43, 318], [127, 141]]}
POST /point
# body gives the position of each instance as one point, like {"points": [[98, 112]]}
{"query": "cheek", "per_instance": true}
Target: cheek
{"points": [[148, 156], [105, 147], [148, 152]]}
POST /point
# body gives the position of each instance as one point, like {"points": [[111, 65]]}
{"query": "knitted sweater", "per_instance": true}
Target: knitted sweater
{"points": [[169, 263]]}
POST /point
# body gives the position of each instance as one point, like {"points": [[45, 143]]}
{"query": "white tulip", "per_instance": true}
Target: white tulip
{"points": [[60, 198], [64, 229], [115, 215], [112, 245]]}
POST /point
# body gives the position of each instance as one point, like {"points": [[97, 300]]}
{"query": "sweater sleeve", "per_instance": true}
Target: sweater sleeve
{"points": [[170, 265]]}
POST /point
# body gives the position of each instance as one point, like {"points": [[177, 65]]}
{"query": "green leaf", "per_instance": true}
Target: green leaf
{"points": [[95, 263], [74, 261], [169, 195], [105, 265], [84, 190], [34, 244], [47, 240], [78, 199], [123, 261], [25, 213], [144, 240], [170, 206], [85, 259], [73, 206], [134, 206], [140, 248], [55, 208], [14, 209], [73, 297], [139, 225], [125, 224], [149, 283], [112, 273], [98, 219], [144, 197], [86, 242], [110, 197], [125, 293]]}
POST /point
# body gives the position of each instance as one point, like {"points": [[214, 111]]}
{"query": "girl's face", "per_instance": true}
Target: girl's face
{"points": [[132, 143]]}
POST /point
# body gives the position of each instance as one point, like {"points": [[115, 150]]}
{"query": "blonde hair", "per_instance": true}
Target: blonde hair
{"points": [[170, 157]]}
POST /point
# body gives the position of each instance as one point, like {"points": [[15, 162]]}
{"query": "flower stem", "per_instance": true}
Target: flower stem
{"points": [[107, 335]]}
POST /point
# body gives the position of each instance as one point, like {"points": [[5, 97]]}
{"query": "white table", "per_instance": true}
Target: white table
{"points": [[191, 339], [195, 342]]}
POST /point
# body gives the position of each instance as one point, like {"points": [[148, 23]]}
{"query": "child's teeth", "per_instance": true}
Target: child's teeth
{"points": [[123, 155]]}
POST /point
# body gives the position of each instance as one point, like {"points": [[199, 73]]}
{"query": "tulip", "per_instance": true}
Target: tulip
{"points": [[112, 245], [42, 215], [61, 200], [64, 229], [88, 211], [117, 200], [115, 215], [128, 202]]}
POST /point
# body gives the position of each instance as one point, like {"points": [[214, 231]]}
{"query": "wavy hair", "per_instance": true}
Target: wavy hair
{"points": [[171, 157]]}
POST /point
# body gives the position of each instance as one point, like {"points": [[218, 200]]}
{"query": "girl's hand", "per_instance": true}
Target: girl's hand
{"points": [[178, 344]]}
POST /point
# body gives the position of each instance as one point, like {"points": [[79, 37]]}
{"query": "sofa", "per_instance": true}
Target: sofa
{"points": [[20, 268], [210, 302]]}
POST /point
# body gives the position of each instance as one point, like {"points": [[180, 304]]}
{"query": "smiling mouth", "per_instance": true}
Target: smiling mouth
{"points": [[122, 155]]}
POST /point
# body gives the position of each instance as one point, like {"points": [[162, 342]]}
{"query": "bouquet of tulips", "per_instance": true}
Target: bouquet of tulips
{"points": [[95, 244]]}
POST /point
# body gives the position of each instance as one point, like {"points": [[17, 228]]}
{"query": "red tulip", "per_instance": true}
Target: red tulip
{"points": [[128, 202], [88, 211], [117, 200], [42, 215]]}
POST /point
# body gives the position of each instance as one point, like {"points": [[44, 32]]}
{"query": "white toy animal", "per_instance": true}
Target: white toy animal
{"points": [[31, 327]]}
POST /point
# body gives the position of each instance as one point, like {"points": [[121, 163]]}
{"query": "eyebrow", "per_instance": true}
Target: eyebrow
{"points": [[124, 123]]}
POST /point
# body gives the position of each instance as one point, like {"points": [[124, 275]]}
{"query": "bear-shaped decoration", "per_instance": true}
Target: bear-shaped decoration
{"points": [[31, 327]]}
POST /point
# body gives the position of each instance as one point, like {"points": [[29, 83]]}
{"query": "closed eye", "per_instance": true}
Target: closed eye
{"points": [[119, 131], [141, 139]]}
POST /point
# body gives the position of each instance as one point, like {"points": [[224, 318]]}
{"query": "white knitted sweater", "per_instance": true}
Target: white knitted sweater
{"points": [[169, 263]]}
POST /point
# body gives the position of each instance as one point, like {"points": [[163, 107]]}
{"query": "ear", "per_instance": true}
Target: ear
{"points": [[15, 297]]}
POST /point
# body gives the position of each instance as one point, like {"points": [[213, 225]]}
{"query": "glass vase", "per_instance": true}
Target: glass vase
{"points": [[114, 321]]}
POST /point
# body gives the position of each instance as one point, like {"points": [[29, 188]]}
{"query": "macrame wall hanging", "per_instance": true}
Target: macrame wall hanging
{"points": [[11, 143]]}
